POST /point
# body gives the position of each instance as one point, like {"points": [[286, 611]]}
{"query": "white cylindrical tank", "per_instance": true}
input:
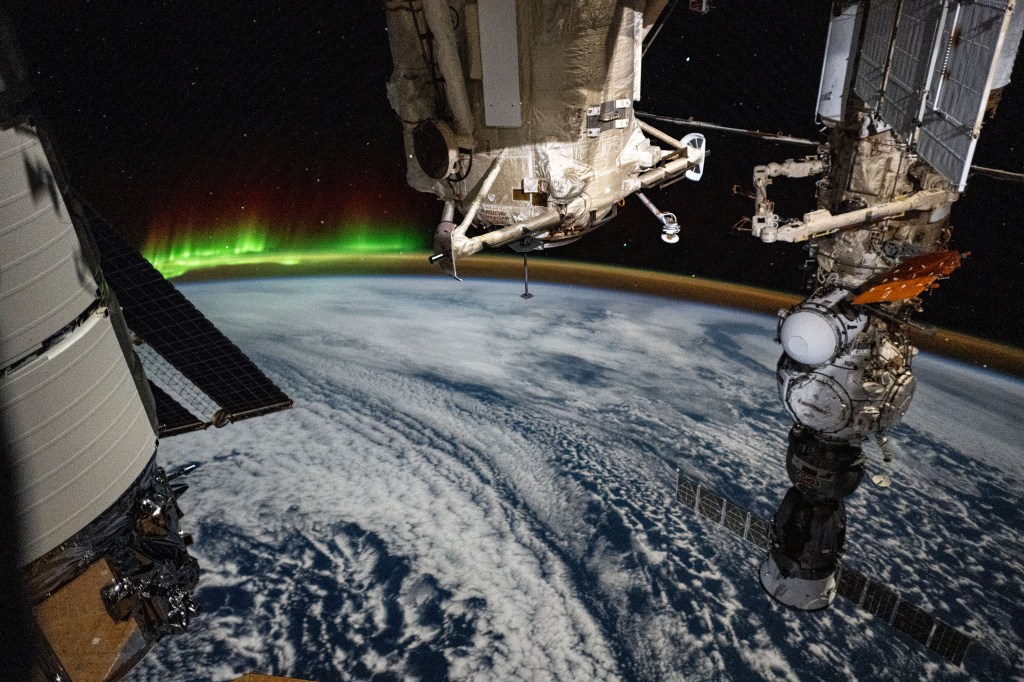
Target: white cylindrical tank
{"points": [[818, 330], [76, 430], [836, 65], [45, 282]]}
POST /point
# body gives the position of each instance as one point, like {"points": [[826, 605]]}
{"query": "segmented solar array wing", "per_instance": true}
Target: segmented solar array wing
{"points": [[172, 417], [873, 597], [910, 278], [927, 67], [168, 323], [874, 52]]}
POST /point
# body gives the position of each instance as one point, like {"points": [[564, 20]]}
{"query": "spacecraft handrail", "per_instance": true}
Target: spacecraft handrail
{"points": [[663, 136], [773, 137], [998, 173], [467, 247]]}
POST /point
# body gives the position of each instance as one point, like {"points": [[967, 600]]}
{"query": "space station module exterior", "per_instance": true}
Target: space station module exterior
{"points": [[520, 116], [903, 97]]}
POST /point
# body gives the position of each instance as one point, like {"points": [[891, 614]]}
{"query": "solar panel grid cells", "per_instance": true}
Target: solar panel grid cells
{"points": [[914, 622], [758, 532], [874, 52], [880, 601], [851, 584], [686, 491], [179, 388], [959, 92], [735, 518], [909, 61], [949, 643], [711, 505], [165, 319], [172, 418]]}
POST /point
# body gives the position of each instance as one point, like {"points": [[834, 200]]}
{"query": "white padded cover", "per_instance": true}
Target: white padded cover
{"points": [[76, 431], [809, 338], [45, 282]]}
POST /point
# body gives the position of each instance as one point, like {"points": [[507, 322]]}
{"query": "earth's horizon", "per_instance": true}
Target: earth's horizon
{"points": [[977, 351], [471, 486]]}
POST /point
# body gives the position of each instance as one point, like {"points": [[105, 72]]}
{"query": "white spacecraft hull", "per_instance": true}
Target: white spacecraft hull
{"points": [[75, 425]]}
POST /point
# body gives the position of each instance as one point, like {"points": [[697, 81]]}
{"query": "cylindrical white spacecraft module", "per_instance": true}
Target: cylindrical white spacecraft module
{"points": [[76, 430], [45, 281], [72, 421]]}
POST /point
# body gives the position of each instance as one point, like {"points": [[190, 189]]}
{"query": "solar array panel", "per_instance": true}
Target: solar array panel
{"points": [[879, 601], [915, 622], [926, 68], [851, 584], [909, 63], [949, 643], [909, 619], [178, 388], [165, 320], [873, 597], [173, 418], [969, 44], [722, 511], [759, 532], [879, 25]]}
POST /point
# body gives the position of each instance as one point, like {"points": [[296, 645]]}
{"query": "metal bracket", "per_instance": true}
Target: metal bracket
{"points": [[669, 224], [443, 252], [535, 185], [608, 116]]}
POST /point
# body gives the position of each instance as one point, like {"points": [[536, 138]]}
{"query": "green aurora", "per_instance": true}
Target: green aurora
{"points": [[254, 244]]}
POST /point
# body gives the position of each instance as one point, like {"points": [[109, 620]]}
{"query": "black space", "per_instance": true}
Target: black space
{"points": [[160, 104]]}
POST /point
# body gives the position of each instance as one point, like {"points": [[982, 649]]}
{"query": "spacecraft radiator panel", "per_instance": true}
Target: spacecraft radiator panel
{"points": [[499, 60]]}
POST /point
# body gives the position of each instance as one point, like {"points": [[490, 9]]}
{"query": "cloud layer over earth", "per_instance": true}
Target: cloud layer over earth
{"points": [[476, 487]]}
